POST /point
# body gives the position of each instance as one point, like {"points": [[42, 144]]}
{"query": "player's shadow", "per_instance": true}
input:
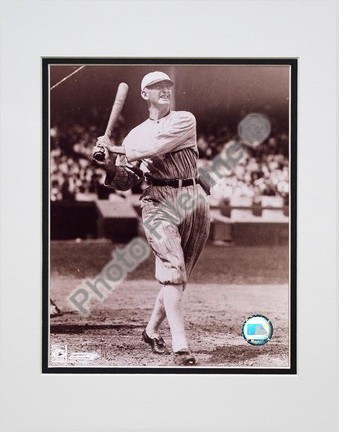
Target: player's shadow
{"points": [[81, 328]]}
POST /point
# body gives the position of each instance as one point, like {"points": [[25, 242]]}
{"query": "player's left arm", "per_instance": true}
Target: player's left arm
{"points": [[182, 128], [120, 174], [123, 177]]}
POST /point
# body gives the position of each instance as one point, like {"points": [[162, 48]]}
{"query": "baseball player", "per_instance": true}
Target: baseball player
{"points": [[163, 151]]}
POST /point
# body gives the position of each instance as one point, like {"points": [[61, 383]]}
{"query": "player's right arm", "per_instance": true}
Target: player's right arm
{"points": [[181, 130]]}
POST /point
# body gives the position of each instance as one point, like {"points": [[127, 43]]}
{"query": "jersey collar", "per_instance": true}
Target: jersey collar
{"points": [[166, 115]]}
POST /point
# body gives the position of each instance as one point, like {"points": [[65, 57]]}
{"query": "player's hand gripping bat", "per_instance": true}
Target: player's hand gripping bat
{"points": [[99, 151]]}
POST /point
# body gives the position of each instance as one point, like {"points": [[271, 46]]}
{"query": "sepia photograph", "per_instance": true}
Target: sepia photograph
{"points": [[169, 215], [167, 253]]}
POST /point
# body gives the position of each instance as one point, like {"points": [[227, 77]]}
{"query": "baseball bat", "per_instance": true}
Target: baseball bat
{"points": [[116, 108], [118, 104]]}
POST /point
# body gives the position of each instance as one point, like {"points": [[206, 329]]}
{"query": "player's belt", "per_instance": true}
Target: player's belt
{"points": [[176, 183]]}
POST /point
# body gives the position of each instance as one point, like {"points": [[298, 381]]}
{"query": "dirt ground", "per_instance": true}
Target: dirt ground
{"points": [[242, 281]]}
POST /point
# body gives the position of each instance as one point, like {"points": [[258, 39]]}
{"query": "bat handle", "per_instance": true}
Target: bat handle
{"points": [[109, 136], [99, 153]]}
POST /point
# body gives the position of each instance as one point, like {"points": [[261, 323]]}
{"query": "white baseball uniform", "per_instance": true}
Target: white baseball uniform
{"points": [[167, 149], [175, 209]]}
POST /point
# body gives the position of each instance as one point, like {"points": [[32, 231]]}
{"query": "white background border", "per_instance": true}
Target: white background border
{"points": [[31, 401]]}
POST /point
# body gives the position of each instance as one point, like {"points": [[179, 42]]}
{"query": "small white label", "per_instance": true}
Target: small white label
{"points": [[83, 356]]}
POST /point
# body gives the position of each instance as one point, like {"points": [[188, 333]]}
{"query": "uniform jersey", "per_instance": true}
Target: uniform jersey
{"points": [[167, 149]]}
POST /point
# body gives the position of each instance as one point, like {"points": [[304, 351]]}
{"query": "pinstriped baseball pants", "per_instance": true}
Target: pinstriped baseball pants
{"points": [[176, 223]]}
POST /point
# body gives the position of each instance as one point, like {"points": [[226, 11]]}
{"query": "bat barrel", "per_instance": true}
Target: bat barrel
{"points": [[116, 108]]}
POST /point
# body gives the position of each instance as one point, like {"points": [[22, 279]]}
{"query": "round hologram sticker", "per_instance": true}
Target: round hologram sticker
{"points": [[257, 330]]}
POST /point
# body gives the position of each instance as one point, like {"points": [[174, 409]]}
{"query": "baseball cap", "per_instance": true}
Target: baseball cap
{"points": [[153, 78]]}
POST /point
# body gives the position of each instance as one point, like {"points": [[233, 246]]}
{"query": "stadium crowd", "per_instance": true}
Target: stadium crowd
{"points": [[264, 171]]}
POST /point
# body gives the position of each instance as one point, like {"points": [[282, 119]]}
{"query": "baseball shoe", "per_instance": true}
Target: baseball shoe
{"points": [[157, 344], [184, 358]]}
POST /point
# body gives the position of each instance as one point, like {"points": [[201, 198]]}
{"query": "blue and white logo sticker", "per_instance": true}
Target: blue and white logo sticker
{"points": [[257, 330]]}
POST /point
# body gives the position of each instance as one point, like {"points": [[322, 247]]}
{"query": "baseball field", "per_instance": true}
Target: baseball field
{"points": [[229, 284]]}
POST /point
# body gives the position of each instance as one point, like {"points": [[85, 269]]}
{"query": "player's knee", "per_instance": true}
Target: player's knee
{"points": [[170, 276]]}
